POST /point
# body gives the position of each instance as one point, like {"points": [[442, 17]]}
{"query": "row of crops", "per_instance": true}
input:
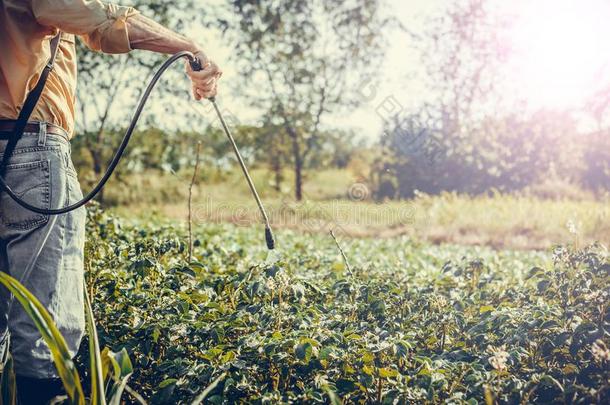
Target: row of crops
{"points": [[400, 322]]}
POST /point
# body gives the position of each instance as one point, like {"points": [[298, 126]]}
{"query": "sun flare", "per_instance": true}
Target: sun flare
{"points": [[561, 50]]}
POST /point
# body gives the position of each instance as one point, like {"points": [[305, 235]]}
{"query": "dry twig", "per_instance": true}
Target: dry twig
{"points": [[190, 202]]}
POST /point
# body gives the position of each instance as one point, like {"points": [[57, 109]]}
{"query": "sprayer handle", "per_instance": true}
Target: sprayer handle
{"points": [[196, 66]]}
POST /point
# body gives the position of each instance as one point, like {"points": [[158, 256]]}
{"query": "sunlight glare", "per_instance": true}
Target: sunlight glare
{"points": [[561, 53]]}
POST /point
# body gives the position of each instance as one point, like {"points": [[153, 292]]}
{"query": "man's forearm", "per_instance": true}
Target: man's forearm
{"points": [[146, 34]]}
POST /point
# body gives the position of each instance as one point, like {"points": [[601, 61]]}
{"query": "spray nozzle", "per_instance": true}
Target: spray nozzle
{"points": [[269, 239]]}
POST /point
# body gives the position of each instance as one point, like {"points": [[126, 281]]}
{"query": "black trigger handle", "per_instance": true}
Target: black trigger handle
{"points": [[195, 64]]}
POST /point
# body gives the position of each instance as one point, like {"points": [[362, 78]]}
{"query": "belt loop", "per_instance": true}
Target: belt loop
{"points": [[42, 133]]}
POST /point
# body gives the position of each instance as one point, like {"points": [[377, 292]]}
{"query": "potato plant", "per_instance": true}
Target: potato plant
{"points": [[411, 323]]}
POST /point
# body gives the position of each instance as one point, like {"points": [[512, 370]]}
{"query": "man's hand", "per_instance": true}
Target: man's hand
{"points": [[205, 81]]}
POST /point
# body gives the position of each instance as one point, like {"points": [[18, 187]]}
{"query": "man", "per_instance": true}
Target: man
{"points": [[46, 253]]}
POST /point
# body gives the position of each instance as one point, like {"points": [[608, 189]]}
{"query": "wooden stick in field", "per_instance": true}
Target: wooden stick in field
{"points": [[190, 202]]}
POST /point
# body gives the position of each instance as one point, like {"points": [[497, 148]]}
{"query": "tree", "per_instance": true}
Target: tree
{"points": [[463, 51], [302, 59]]}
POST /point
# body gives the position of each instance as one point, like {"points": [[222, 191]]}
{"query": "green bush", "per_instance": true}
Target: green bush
{"points": [[506, 154]]}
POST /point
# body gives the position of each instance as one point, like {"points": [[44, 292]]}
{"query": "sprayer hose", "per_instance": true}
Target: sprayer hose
{"points": [[117, 156]]}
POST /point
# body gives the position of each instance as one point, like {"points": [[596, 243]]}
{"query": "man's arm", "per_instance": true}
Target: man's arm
{"points": [[146, 34], [116, 29]]}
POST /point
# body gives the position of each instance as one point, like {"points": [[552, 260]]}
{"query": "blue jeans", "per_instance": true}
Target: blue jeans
{"points": [[45, 253]]}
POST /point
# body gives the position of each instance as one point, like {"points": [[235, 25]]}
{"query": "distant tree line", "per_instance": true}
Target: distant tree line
{"points": [[308, 58], [157, 150], [504, 154]]}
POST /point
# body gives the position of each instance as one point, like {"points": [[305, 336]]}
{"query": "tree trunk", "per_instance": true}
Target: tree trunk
{"points": [[97, 156], [97, 170], [298, 176], [276, 165], [298, 164]]}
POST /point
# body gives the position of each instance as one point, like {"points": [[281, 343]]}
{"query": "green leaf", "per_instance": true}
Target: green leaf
{"points": [[543, 285], [534, 271], [388, 373], [368, 358], [332, 395], [155, 335], [402, 348], [228, 357], [52, 337], [486, 308], [8, 386], [98, 396], [167, 383], [303, 351], [345, 386], [122, 371]]}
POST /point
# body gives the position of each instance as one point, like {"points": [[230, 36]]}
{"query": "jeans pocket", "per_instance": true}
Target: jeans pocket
{"points": [[30, 181]]}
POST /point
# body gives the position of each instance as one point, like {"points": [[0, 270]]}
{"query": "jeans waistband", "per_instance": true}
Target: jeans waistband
{"points": [[40, 138]]}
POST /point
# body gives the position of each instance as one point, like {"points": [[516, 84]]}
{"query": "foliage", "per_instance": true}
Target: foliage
{"points": [[597, 159], [310, 60], [155, 153], [507, 154], [41, 318], [107, 369], [414, 323]]}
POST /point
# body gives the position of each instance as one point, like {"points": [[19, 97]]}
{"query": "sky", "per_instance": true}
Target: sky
{"points": [[392, 87], [559, 57]]}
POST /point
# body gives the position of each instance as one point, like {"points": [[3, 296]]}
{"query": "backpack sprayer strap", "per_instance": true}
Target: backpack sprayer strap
{"points": [[28, 106]]}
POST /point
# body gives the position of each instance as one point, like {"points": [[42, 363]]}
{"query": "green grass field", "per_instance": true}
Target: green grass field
{"points": [[335, 199]]}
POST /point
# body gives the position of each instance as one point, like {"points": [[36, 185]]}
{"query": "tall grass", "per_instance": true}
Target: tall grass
{"points": [[107, 368]]}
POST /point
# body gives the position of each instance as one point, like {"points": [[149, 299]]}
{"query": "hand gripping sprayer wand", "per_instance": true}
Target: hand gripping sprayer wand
{"points": [[196, 66]]}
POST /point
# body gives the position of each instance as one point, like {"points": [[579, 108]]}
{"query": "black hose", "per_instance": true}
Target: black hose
{"points": [[119, 153], [195, 65]]}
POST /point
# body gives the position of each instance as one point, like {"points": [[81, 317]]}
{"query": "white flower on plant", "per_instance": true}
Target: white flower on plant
{"points": [[572, 227], [597, 296], [600, 351], [270, 284], [499, 358], [282, 279]]}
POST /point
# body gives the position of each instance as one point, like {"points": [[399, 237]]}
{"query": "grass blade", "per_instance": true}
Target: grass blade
{"points": [[8, 386], [98, 396], [204, 394], [52, 337], [123, 369]]}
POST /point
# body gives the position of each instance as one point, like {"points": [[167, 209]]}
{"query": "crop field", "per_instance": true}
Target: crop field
{"points": [[392, 321]]}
